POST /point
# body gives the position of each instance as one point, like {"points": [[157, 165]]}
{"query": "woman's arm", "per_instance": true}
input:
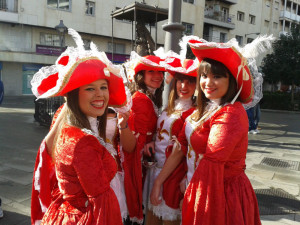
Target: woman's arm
{"points": [[170, 165], [127, 139]]}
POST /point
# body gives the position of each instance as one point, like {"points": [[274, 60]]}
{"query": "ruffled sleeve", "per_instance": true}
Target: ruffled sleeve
{"points": [[204, 200]]}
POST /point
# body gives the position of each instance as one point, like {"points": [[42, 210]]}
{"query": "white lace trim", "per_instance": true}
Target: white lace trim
{"points": [[183, 104], [165, 212], [152, 90], [109, 147], [136, 220], [37, 175]]}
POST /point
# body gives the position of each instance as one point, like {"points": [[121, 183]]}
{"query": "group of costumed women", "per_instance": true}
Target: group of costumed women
{"points": [[114, 157]]}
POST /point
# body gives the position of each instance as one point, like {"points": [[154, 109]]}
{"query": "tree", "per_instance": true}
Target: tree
{"points": [[284, 63]]}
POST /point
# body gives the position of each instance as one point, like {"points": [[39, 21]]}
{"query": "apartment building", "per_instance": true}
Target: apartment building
{"points": [[29, 38]]}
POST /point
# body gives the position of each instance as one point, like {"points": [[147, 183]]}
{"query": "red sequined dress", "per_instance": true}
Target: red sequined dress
{"points": [[142, 121], [219, 192], [84, 169]]}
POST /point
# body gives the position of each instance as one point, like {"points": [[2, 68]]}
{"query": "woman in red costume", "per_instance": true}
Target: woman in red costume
{"points": [[215, 137], [147, 75], [84, 163], [170, 122]]}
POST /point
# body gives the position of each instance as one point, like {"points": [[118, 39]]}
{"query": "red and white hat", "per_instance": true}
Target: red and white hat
{"points": [[137, 63], [76, 67], [186, 67], [236, 59]]}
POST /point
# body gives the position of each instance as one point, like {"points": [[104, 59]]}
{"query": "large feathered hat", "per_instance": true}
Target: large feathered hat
{"points": [[238, 60], [76, 67]]}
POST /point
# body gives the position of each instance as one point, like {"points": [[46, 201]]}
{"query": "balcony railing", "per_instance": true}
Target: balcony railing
{"points": [[219, 16], [9, 5]]}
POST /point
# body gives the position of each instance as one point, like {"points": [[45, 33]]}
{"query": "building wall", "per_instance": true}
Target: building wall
{"points": [[12, 78]]}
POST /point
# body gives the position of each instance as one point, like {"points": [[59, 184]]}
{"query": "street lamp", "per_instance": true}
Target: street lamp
{"points": [[62, 29]]}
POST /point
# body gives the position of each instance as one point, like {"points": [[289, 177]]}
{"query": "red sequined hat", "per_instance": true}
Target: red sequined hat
{"points": [[77, 67]]}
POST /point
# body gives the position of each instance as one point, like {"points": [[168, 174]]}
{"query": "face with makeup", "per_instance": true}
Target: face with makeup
{"points": [[93, 98], [214, 86], [153, 79]]}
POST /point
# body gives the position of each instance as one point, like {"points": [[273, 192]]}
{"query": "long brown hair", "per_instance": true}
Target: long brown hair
{"points": [[173, 93], [212, 66], [77, 118], [139, 85]]}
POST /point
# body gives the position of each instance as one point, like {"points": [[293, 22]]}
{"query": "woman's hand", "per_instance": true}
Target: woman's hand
{"points": [[123, 119], [155, 194], [149, 149]]}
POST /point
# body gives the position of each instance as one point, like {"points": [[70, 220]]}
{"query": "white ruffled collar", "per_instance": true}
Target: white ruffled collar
{"points": [[94, 125], [183, 104]]}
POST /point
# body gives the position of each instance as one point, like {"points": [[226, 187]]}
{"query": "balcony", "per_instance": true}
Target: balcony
{"points": [[288, 15], [231, 2], [218, 18], [9, 11]]}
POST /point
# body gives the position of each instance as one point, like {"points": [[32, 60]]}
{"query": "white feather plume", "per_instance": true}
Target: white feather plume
{"points": [[77, 38], [257, 46], [93, 47]]}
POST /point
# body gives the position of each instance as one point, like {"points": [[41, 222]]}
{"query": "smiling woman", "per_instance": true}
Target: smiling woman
{"points": [[93, 98], [84, 164]]}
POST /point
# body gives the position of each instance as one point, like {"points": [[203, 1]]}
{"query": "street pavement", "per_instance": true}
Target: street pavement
{"points": [[273, 162]]}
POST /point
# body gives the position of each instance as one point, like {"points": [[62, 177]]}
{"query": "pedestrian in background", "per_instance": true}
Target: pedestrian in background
{"points": [[1, 99], [1, 91]]}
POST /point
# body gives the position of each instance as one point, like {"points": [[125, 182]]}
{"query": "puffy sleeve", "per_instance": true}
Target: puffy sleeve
{"points": [[204, 200], [95, 168]]}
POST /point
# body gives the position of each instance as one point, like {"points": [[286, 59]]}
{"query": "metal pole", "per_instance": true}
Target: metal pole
{"points": [[112, 39], [173, 30], [155, 30], [132, 36]]}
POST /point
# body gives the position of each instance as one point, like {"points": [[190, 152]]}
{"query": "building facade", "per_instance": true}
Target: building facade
{"points": [[29, 38]]}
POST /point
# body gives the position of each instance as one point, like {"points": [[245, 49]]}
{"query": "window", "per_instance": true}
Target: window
{"points": [[118, 48], [222, 37], [249, 40], [239, 39], [276, 5], [90, 8], [60, 4], [266, 23], [189, 28], [240, 16], [49, 39], [268, 3], [189, 1], [251, 19], [275, 25]]}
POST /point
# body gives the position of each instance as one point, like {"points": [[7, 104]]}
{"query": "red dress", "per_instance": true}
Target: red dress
{"points": [[219, 192], [142, 121], [84, 169]]}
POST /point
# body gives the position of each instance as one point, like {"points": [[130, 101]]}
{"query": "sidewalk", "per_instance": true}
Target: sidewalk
{"points": [[273, 163]]}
